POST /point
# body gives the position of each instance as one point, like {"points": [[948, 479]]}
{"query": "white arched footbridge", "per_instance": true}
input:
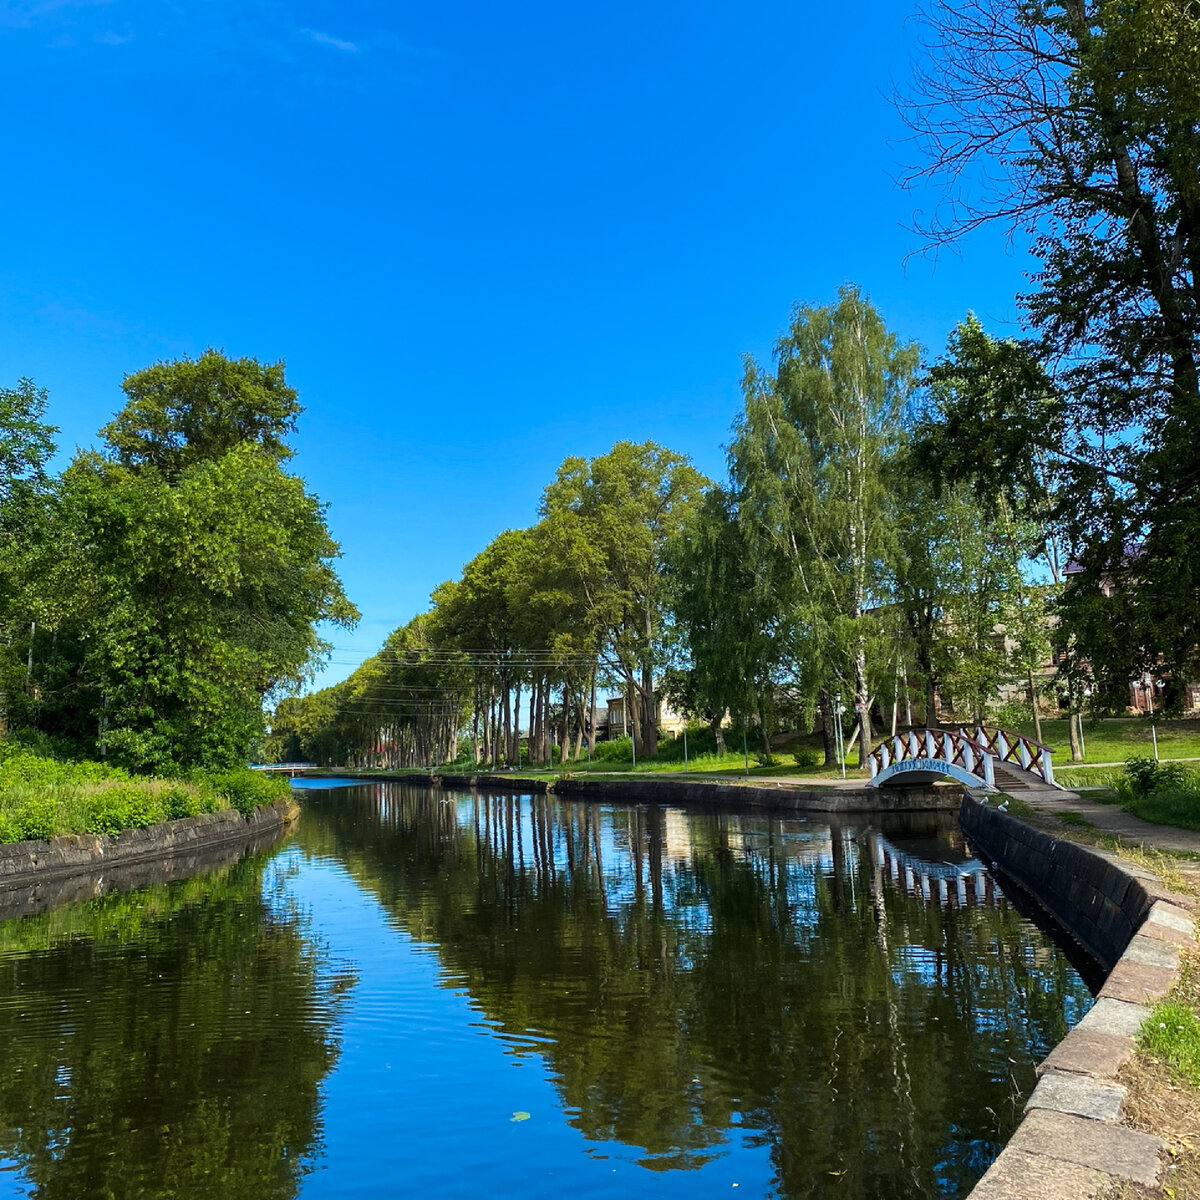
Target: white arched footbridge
{"points": [[972, 756]]}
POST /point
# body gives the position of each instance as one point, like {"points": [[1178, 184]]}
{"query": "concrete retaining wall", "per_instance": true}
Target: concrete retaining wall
{"points": [[1099, 903], [76, 854], [1070, 1144], [703, 793], [733, 796]]}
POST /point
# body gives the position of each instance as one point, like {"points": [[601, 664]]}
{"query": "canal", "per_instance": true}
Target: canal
{"points": [[454, 995]]}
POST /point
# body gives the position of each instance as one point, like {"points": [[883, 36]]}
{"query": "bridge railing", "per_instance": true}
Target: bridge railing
{"points": [[1009, 746], [955, 746]]}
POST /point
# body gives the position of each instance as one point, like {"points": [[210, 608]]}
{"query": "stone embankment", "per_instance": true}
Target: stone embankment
{"points": [[703, 793], [77, 854], [1070, 1144]]}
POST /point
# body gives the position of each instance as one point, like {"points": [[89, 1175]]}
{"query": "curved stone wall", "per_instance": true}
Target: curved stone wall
{"points": [[73, 854], [1070, 1144]]}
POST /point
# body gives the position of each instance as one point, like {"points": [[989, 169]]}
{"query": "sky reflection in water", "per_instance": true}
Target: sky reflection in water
{"points": [[453, 995]]}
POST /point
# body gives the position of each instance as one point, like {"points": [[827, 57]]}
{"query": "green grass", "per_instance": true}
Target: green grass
{"points": [[41, 797], [1181, 809], [1078, 820], [708, 764], [1114, 739], [1172, 1034]]}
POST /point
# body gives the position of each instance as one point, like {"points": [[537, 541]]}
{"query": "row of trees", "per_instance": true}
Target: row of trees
{"points": [[835, 561], [871, 531], [158, 589]]}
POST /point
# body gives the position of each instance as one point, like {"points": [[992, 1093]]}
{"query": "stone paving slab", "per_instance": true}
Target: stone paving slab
{"points": [[1151, 952], [1019, 1176], [1099, 1054], [1115, 1017], [1173, 918], [1138, 983], [1062, 1092], [1167, 933], [1111, 1149]]}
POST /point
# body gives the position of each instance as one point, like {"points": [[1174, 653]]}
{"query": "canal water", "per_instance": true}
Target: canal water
{"points": [[429, 993]]}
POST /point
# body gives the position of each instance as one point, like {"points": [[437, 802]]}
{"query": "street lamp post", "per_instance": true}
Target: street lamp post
{"points": [[1149, 684], [838, 709]]}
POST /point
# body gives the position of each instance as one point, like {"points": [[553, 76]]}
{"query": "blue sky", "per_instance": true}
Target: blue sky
{"points": [[483, 237]]}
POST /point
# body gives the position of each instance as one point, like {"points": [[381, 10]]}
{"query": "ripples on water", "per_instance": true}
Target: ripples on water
{"points": [[455, 995]]}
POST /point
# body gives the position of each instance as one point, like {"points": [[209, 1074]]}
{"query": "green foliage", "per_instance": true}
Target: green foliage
{"points": [[41, 797], [1172, 1033], [247, 790], [807, 758], [700, 741], [809, 462], [161, 591], [26, 441], [617, 750], [1144, 776], [1083, 122], [126, 806], [196, 410]]}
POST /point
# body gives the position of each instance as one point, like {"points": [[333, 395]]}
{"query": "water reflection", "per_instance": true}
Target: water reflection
{"points": [[860, 1005], [166, 1042]]}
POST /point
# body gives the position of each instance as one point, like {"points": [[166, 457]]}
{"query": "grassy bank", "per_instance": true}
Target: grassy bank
{"points": [[1114, 739], [41, 797]]}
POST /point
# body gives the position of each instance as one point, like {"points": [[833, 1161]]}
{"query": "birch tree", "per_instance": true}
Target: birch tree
{"points": [[809, 458]]}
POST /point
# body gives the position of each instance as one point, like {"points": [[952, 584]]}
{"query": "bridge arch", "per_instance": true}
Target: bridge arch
{"points": [[970, 756]]}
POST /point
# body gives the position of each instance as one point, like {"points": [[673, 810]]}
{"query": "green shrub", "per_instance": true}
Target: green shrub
{"points": [[700, 741], [126, 806], [619, 750], [807, 757], [1143, 776], [180, 801], [765, 760], [248, 790], [35, 819]]}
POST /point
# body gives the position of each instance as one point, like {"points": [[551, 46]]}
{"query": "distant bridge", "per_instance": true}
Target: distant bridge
{"points": [[979, 757], [292, 769]]}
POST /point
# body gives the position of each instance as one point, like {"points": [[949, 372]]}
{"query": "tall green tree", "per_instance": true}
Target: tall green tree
{"points": [[1079, 120], [724, 624], [188, 411], [201, 567], [809, 459], [614, 516], [26, 445]]}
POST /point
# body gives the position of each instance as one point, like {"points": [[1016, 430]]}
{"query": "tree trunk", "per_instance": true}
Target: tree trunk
{"points": [[1033, 706], [1073, 734], [717, 727], [862, 703], [591, 720], [515, 752], [828, 741]]}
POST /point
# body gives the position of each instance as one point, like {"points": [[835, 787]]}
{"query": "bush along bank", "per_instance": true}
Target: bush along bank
{"points": [[42, 798]]}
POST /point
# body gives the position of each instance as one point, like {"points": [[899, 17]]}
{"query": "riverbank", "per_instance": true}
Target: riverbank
{"points": [[781, 795], [1106, 1117], [42, 860], [42, 797]]}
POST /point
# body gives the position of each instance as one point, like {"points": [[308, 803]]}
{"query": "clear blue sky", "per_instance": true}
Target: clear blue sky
{"points": [[482, 236]]}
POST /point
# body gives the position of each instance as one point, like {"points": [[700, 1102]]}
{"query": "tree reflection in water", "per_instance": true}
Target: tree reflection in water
{"points": [[696, 978], [167, 1042]]}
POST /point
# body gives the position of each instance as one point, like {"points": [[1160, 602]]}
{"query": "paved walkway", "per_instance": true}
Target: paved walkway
{"points": [[1112, 819]]}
